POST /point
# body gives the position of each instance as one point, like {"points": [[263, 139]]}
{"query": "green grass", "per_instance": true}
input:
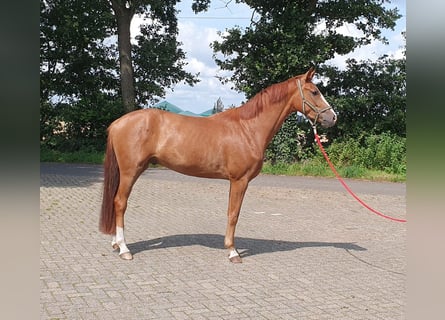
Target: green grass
{"points": [[71, 157], [314, 168]]}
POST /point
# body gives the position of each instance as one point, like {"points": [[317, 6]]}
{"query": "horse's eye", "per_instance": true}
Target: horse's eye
{"points": [[314, 92]]}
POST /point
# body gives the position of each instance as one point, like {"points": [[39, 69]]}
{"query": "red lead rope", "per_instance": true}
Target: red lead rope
{"points": [[317, 138]]}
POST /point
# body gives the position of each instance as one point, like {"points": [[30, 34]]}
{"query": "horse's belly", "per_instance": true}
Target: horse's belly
{"points": [[194, 164], [195, 170]]}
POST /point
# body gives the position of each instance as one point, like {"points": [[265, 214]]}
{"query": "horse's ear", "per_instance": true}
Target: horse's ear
{"points": [[310, 74]]}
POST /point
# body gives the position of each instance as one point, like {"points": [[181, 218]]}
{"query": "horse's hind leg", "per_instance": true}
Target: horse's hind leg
{"points": [[120, 205]]}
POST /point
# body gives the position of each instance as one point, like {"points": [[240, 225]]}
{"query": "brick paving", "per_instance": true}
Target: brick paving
{"points": [[310, 251]]}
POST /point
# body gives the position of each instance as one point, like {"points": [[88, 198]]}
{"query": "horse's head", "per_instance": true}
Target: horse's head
{"points": [[313, 105]]}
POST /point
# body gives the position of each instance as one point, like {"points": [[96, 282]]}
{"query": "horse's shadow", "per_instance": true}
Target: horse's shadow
{"points": [[246, 246]]}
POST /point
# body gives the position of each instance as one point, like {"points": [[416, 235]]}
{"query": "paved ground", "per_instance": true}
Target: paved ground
{"points": [[310, 251]]}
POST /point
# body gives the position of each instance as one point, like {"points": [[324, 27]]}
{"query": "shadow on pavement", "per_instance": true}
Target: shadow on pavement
{"points": [[246, 246]]}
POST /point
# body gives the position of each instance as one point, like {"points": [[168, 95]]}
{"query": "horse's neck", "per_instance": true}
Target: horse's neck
{"points": [[268, 122]]}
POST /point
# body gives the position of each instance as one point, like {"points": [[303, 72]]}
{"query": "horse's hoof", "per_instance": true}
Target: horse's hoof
{"points": [[234, 256], [236, 259], [126, 256]]}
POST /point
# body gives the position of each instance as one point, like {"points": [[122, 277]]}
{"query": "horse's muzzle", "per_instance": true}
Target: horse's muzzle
{"points": [[328, 119]]}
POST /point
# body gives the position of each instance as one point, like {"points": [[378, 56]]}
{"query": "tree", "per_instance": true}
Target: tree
{"points": [[78, 54], [74, 61], [124, 12], [159, 63], [286, 37], [78, 73], [369, 97], [80, 64], [289, 36], [218, 106], [161, 34]]}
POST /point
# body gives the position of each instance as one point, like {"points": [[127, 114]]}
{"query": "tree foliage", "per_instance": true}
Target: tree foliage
{"points": [[369, 97], [218, 106], [78, 74], [81, 65], [74, 61], [82, 68], [288, 36], [155, 49], [157, 41]]}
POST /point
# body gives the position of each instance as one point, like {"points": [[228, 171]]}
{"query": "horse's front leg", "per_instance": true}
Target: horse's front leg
{"points": [[237, 191]]}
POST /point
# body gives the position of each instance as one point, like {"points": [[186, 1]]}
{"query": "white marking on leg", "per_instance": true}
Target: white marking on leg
{"points": [[113, 242], [233, 253], [120, 240]]}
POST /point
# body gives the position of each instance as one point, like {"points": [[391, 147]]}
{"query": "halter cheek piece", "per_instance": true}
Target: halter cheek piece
{"points": [[313, 107]]}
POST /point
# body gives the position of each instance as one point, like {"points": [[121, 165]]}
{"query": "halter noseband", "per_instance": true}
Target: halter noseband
{"points": [[314, 108]]}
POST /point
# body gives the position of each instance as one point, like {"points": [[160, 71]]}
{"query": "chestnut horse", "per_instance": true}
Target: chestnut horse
{"points": [[229, 145]]}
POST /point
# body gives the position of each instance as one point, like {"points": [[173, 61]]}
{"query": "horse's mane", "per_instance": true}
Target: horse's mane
{"points": [[255, 106]]}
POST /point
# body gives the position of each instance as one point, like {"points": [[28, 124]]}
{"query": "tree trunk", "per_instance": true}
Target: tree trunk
{"points": [[123, 18]]}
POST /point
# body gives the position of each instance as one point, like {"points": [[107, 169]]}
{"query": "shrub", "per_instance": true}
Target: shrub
{"points": [[291, 142], [385, 152], [79, 126]]}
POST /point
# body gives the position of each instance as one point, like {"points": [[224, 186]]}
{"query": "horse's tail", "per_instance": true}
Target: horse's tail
{"points": [[107, 221]]}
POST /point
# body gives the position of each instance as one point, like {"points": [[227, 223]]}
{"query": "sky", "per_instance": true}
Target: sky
{"points": [[197, 32]]}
